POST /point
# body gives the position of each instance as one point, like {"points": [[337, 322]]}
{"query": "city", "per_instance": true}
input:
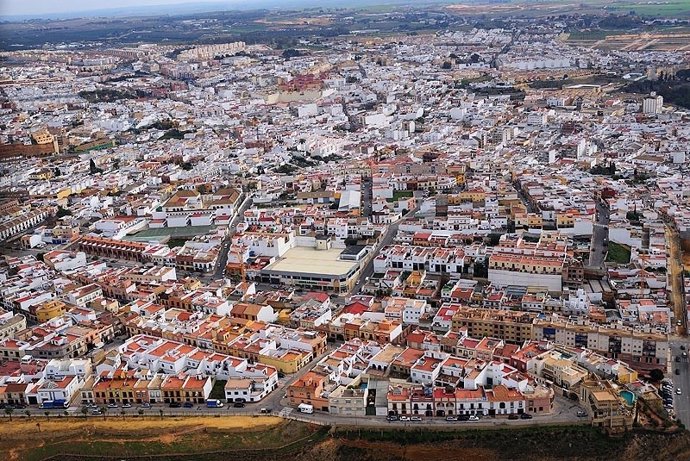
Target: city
{"points": [[405, 218]]}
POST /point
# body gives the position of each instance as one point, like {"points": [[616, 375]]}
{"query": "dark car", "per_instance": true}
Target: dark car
{"points": [[513, 416], [238, 404], [392, 418], [525, 416], [677, 371], [682, 347], [175, 405], [188, 405], [463, 417]]}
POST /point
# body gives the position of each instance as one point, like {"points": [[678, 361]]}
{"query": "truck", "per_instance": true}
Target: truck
{"points": [[214, 403], [51, 404], [306, 408]]}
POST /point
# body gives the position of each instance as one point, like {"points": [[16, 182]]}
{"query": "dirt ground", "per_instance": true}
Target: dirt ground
{"points": [[22, 428]]}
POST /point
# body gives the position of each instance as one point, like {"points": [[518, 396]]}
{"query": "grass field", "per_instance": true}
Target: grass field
{"points": [[38, 438], [657, 8], [618, 253]]}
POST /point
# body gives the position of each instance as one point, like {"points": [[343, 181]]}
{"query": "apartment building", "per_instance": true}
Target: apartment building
{"points": [[643, 349], [510, 326]]}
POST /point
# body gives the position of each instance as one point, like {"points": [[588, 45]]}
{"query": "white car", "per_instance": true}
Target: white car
{"points": [[474, 418], [678, 391], [404, 418]]}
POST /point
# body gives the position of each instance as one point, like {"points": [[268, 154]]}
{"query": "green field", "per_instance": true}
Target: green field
{"points": [[665, 8], [618, 253], [174, 233]]}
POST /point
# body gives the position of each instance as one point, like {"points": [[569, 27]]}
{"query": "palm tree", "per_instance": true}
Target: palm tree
{"points": [[161, 413], [123, 413], [84, 411], [28, 414], [140, 411], [47, 413], [8, 412]]}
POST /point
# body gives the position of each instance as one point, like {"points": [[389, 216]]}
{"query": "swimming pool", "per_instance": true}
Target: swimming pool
{"points": [[629, 397]]}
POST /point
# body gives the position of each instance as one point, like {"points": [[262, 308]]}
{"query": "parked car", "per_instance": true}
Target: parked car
{"points": [[581, 414], [415, 418], [678, 391], [145, 405], [112, 405], [682, 346], [677, 371], [513, 416], [127, 405], [392, 418], [188, 405], [451, 418], [175, 405], [473, 418], [96, 411], [525, 416], [238, 404], [463, 417], [404, 418]]}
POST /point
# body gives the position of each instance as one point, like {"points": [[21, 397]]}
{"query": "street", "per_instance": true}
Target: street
{"points": [[384, 241], [681, 403], [675, 275], [222, 260]]}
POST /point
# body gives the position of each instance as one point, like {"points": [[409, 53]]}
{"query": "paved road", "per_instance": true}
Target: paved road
{"points": [[222, 260], [387, 239], [600, 236], [675, 274], [681, 403], [367, 195]]}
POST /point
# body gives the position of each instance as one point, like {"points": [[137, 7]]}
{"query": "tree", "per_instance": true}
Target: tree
{"points": [[123, 413], [8, 412], [446, 65], [656, 375], [140, 411], [28, 413], [84, 411], [56, 172], [47, 414], [104, 412], [62, 212], [161, 413], [93, 169]]}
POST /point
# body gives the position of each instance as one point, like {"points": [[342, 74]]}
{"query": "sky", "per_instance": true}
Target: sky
{"points": [[47, 7]]}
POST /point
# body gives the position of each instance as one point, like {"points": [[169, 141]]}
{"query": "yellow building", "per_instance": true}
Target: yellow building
{"points": [[286, 361], [564, 220], [561, 371], [605, 405], [50, 309]]}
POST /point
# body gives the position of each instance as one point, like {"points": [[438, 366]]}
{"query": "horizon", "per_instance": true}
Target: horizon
{"points": [[46, 9]]}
